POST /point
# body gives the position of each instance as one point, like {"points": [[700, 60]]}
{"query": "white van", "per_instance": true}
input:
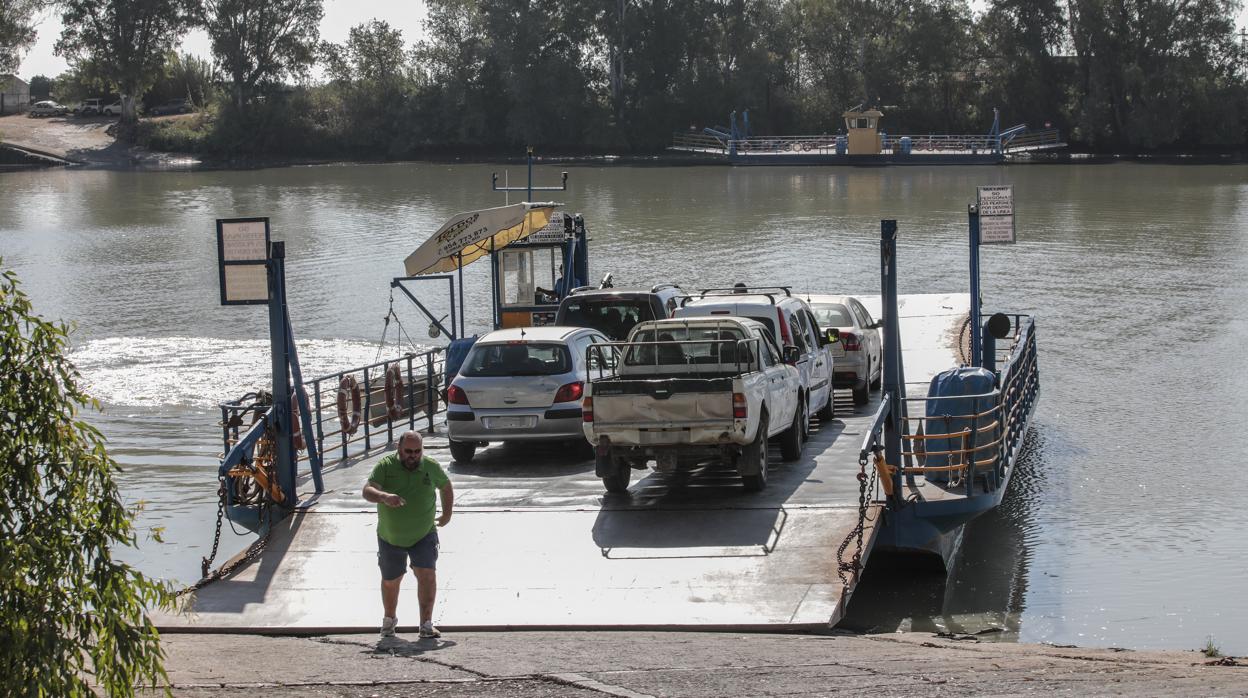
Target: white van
{"points": [[791, 323]]}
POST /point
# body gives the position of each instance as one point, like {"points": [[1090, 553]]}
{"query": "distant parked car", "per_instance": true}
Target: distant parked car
{"points": [[47, 108], [113, 109], [89, 107], [858, 353], [173, 106]]}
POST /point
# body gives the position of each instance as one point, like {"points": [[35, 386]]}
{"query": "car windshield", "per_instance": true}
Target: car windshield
{"points": [[832, 315], [614, 317], [517, 359]]}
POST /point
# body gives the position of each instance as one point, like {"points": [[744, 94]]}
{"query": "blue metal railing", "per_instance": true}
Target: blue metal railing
{"points": [[996, 433], [421, 395]]}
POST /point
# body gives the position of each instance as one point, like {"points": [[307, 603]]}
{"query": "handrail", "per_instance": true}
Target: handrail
{"points": [[1002, 422], [422, 374]]}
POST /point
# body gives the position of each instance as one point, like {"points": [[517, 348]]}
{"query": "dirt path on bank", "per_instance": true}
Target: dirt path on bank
{"points": [[653, 664], [82, 141]]}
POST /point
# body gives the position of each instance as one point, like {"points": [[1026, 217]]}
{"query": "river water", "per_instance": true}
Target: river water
{"points": [[1125, 525]]}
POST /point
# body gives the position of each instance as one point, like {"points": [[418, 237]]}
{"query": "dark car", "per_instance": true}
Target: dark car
{"points": [[173, 106], [615, 311]]}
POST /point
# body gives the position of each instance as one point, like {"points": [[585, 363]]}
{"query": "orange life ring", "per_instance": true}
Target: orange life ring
{"points": [[349, 388], [394, 391], [296, 424]]}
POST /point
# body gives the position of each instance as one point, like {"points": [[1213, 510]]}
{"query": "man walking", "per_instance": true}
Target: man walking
{"points": [[402, 486]]}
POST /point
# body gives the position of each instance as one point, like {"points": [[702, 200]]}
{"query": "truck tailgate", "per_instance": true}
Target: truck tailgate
{"points": [[656, 403]]}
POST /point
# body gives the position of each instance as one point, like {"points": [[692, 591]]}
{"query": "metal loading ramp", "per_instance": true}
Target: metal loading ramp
{"points": [[535, 542]]}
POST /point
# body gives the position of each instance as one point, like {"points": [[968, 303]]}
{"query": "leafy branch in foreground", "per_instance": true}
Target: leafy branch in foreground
{"points": [[70, 615]]}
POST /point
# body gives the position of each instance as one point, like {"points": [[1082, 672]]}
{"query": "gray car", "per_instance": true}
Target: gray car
{"points": [[520, 384]]}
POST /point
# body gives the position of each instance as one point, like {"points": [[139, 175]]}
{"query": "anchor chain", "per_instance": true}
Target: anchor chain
{"points": [[854, 565], [258, 496]]}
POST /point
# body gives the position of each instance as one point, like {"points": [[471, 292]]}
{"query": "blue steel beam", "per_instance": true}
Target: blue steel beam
{"points": [[894, 375]]}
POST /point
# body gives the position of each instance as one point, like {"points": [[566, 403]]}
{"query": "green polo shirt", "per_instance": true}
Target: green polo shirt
{"points": [[403, 526]]}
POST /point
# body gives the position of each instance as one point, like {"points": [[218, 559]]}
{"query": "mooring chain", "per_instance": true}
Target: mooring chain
{"points": [[253, 552], [854, 565], [206, 563]]}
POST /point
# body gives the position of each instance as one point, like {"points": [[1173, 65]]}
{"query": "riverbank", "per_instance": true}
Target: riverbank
{"points": [[641, 664], [90, 142]]}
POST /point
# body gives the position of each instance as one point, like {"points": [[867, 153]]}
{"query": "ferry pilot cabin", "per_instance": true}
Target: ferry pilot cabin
{"points": [[863, 129]]}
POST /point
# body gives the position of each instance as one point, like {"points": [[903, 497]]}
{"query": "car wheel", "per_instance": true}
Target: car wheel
{"points": [[621, 471], [756, 454], [791, 440], [863, 395], [463, 451]]}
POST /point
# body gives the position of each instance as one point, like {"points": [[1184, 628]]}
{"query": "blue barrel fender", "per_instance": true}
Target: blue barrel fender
{"points": [[952, 415]]}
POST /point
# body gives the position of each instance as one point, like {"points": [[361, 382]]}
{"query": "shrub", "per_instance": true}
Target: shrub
{"points": [[70, 615]]}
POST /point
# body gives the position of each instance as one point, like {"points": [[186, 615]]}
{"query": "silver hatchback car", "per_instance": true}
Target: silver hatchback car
{"points": [[519, 384]]}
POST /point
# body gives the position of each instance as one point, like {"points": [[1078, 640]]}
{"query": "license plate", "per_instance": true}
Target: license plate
{"points": [[838, 351], [510, 422]]}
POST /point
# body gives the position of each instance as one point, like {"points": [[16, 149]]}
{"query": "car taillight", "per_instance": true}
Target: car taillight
{"points": [[739, 408], [570, 392], [456, 395], [587, 409], [850, 340], [785, 339]]}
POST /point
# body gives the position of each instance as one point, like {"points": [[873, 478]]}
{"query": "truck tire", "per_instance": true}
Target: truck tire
{"points": [[828, 411], [621, 471], [463, 451], [791, 440], [756, 452]]}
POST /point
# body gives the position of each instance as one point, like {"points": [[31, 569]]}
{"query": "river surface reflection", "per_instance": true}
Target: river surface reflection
{"points": [[1123, 528]]}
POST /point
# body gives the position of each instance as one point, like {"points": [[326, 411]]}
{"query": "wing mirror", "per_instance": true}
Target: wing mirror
{"points": [[792, 354], [832, 336]]}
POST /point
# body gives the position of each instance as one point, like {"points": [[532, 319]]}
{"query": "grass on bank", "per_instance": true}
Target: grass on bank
{"points": [[1211, 649]]}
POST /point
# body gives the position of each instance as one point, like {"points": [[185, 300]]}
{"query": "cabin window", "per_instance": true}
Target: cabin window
{"points": [[527, 276]]}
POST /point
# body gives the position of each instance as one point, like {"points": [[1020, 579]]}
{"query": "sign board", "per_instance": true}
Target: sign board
{"points": [[552, 233], [242, 260], [996, 214]]}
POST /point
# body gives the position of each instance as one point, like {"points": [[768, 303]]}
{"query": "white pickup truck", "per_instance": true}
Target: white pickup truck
{"points": [[682, 391]]}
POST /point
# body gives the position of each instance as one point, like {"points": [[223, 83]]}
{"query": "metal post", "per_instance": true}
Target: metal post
{"points": [[411, 396], [431, 389], [368, 405], [285, 461], [320, 419], [529, 190], [305, 413], [894, 378], [461, 294], [976, 326], [989, 355]]}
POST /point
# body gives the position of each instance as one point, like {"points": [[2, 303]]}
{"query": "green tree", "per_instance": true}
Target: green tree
{"points": [[262, 41], [70, 615], [40, 88], [1151, 73], [17, 31], [185, 76], [1024, 77], [127, 40], [372, 76]]}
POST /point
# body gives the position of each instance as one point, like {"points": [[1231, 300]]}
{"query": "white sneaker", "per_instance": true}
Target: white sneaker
{"points": [[427, 630], [387, 626]]}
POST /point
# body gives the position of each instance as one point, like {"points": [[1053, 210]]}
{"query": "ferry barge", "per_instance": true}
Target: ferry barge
{"points": [[864, 143]]}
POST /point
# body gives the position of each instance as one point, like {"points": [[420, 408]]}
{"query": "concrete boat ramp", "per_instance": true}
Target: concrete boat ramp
{"points": [[536, 543]]}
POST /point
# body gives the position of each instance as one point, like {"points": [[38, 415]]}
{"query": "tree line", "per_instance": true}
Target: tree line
{"points": [[622, 75]]}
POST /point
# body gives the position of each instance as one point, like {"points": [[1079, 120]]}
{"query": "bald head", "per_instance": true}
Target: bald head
{"points": [[411, 449]]}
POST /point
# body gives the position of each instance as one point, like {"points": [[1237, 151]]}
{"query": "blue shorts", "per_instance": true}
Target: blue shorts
{"points": [[422, 555]]}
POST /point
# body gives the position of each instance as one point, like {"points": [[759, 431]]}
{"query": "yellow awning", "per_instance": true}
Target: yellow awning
{"points": [[466, 237]]}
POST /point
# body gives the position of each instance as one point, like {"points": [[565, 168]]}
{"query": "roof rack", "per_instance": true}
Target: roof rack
{"points": [[788, 290], [659, 287]]}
